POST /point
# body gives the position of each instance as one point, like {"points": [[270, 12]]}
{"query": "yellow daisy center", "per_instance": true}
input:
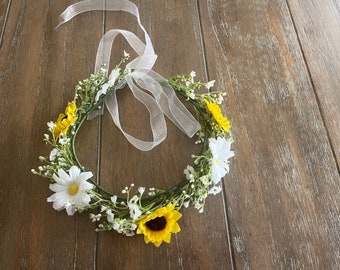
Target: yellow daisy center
{"points": [[73, 189]]}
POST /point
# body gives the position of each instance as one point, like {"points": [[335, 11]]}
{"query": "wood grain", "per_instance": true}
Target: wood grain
{"points": [[283, 198], [318, 27], [278, 63], [39, 69], [4, 11]]}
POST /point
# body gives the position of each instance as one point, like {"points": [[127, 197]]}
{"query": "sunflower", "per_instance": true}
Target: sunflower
{"points": [[216, 112], [64, 121], [158, 226]]}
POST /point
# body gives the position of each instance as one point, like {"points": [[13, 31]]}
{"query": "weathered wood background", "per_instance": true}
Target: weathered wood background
{"points": [[278, 61]]}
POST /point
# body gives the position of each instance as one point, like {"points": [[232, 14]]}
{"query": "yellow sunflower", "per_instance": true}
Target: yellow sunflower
{"points": [[158, 226], [64, 121], [220, 119]]}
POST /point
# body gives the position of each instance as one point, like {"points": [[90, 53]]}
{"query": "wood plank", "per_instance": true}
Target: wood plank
{"points": [[283, 190], [39, 69], [4, 11], [317, 24], [202, 244], [283, 193]]}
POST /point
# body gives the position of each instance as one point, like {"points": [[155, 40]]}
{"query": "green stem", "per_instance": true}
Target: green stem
{"points": [[74, 154]]}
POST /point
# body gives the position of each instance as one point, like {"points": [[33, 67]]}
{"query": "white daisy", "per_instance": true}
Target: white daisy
{"points": [[70, 190], [220, 150], [112, 79]]}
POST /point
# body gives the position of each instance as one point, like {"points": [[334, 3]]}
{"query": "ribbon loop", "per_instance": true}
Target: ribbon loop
{"points": [[166, 98], [146, 56], [140, 79]]}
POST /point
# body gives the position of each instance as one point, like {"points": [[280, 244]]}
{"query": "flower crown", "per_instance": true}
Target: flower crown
{"points": [[153, 213]]}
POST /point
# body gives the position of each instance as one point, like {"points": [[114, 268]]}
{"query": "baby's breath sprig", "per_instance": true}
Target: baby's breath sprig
{"points": [[154, 212]]}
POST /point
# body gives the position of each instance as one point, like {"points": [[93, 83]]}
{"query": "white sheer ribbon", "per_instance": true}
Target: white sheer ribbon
{"points": [[140, 79]]}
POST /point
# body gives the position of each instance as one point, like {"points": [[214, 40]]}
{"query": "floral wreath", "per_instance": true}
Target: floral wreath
{"points": [[153, 213]]}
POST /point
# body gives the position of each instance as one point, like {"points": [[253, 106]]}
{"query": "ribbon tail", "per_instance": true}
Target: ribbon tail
{"points": [[157, 120]]}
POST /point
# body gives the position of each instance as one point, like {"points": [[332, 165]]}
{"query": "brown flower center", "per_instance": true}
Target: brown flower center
{"points": [[156, 224]]}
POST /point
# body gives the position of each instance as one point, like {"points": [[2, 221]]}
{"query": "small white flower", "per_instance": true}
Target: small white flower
{"points": [[112, 79], [110, 215], [64, 141], [199, 207], [135, 212], [51, 125], [102, 91], [129, 228], [189, 173], [215, 190], [134, 199], [70, 190], [219, 99], [114, 199], [186, 204], [220, 150], [103, 208], [191, 95], [94, 217], [54, 153], [116, 226], [204, 179], [103, 70], [141, 190], [192, 74], [126, 54], [151, 192], [122, 226], [210, 84]]}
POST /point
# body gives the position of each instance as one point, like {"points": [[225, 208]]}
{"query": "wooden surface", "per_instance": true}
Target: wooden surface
{"points": [[279, 63]]}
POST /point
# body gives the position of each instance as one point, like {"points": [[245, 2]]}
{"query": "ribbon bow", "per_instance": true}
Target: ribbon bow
{"points": [[162, 101]]}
